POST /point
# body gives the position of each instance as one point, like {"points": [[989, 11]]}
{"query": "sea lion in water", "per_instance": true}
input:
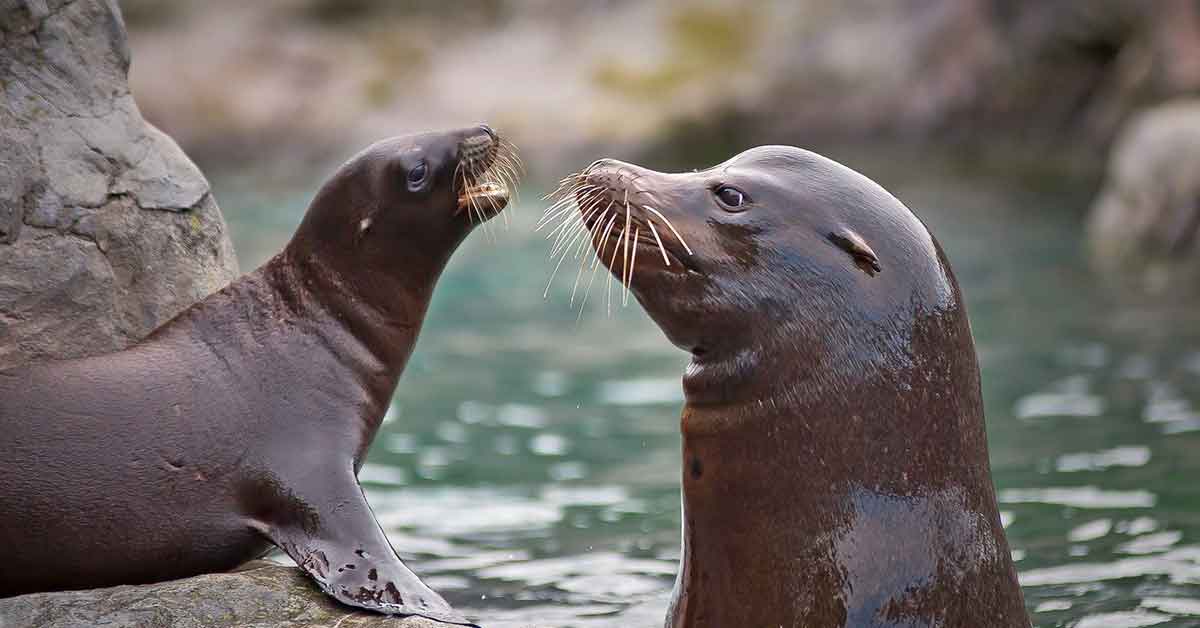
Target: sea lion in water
{"points": [[835, 468], [242, 422]]}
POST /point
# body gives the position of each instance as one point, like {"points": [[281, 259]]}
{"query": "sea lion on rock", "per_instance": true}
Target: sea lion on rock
{"points": [[835, 468], [242, 423]]}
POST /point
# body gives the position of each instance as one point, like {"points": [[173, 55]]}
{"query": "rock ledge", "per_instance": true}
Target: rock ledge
{"points": [[260, 595]]}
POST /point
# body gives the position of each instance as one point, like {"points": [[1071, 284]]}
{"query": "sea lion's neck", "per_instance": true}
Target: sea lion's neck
{"points": [[383, 318], [840, 501], [318, 333]]}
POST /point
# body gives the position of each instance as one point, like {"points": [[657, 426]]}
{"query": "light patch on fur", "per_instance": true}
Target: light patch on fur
{"points": [[363, 225], [927, 541]]}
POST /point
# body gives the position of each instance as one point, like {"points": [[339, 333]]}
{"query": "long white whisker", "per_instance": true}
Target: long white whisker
{"points": [[608, 285], [671, 227], [663, 249], [566, 220], [508, 177], [583, 260], [596, 264], [625, 244], [604, 213], [563, 184], [487, 230], [509, 164], [471, 199], [495, 173], [459, 172], [571, 218], [632, 264], [569, 226], [566, 250], [513, 152], [581, 223], [568, 196], [587, 293], [603, 242], [574, 223], [508, 180], [558, 209], [567, 210], [565, 243]]}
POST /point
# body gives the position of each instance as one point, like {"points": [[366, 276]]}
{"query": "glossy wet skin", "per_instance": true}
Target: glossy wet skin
{"points": [[834, 458], [242, 423], [397, 206], [777, 244]]}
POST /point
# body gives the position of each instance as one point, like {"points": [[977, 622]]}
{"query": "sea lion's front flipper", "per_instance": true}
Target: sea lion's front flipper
{"points": [[336, 540]]}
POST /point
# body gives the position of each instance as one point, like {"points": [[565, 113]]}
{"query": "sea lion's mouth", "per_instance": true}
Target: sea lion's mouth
{"points": [[489, 196], [488, 171]]}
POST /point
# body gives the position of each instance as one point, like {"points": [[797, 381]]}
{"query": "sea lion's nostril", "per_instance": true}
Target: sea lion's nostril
{"points": [[487, 129]]}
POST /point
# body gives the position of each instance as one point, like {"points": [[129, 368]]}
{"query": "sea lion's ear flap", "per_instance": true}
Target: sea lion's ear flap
{"points": [[853, 244]]}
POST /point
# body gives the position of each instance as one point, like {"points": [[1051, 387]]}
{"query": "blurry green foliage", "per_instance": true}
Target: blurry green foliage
{"points": [[399, 59], [701, 40]]}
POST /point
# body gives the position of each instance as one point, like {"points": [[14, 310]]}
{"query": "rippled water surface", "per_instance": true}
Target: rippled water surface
{"points": [[529, 466]]}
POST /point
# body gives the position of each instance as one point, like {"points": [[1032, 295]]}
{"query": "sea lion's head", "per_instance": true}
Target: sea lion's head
{"points": [[776, 258], [403, 204], [834, 417]]}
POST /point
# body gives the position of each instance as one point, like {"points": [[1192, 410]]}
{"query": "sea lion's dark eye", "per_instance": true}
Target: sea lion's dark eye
{"points": [[731, 197], [416, 176]]}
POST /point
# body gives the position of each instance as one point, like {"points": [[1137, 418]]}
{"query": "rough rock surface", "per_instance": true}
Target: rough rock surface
{"points": [[1148, 212], [106, 228], [261, 595]]}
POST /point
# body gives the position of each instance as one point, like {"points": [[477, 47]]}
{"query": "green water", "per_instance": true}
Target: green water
{"points": [[529, 467]]}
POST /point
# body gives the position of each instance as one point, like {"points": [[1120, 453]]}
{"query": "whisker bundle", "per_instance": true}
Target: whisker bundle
{"points": [[483, 178], [582, 213]]}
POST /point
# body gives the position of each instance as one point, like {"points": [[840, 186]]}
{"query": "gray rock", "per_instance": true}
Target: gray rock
{"points": [[1147, 215], [261, 595], [107, 229]]}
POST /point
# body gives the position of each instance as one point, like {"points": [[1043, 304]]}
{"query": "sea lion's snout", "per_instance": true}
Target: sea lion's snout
{"points": [[614, 178], [631, 206], [487, 172], [479, 146]]}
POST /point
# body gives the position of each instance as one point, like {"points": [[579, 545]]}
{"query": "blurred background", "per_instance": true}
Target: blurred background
{"points": [[529, 466]]}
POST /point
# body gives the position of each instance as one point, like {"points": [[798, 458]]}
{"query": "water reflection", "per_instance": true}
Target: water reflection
{"points": [[530, 466], [1128, 456], [1078, 497], [1125, 619]]}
